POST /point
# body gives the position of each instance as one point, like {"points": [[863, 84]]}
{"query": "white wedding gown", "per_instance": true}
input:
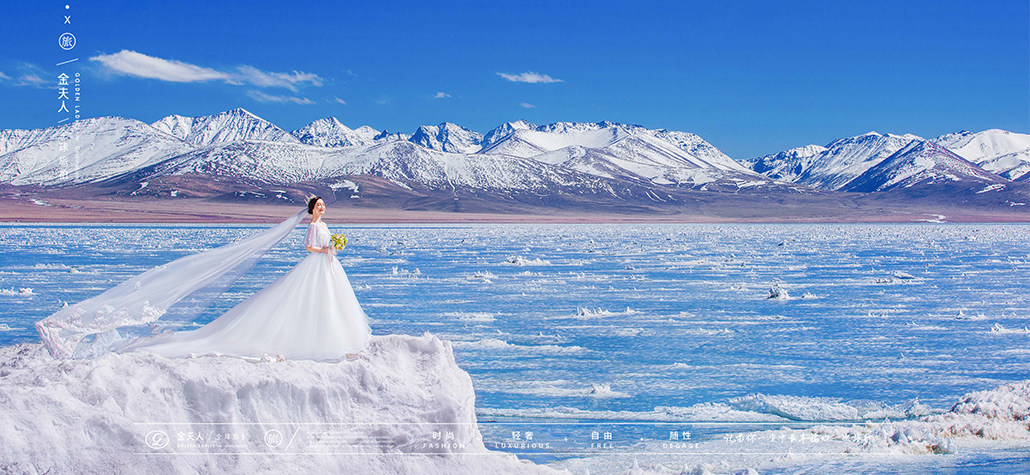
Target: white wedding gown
{"points": [[308, 313]]}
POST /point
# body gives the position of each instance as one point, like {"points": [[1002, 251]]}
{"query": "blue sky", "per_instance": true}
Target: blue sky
{"points": [[751, 77]]}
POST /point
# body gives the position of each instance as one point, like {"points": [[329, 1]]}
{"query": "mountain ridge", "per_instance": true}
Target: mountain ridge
{"points": [[236, 155]]}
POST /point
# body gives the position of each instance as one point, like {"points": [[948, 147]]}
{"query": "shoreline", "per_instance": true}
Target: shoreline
{"points": [[46, 210]]}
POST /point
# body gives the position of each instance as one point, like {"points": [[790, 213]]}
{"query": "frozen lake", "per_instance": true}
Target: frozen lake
{"points": [[576, 333]]}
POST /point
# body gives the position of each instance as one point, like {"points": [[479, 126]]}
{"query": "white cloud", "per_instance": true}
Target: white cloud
{"points": [[131, 63], [441, 95], [261, 78], [32, 79], [31, 75], [527, 105], [262, 97], [341, 101], [532, 78]]}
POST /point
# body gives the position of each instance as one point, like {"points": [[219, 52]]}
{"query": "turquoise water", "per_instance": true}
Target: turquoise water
{"points": [[633, 330]]}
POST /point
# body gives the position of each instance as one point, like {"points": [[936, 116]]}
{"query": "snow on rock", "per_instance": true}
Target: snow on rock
{"points": [[848, 158], [611, 150], [84, 151], [504, 130], [786, 165], [997, 151], [330, 132], [778, 293], [833, 166], [920, 162], [224, 127], [447, 137], [698, 147], [161, 415], [1000, 414]]}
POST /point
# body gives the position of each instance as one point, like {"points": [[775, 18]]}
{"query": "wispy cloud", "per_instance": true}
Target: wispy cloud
{"points": [[441, 95], [341, 101], [131, 63], [527, 105], [31, 75], [261, 78], [530, 77], [262, 97], [32, 79]]}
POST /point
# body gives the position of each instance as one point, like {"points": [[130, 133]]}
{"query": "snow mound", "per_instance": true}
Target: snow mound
{"points": [[1007, 403], [23, 291], [604, 391], [998, 329], [798, 408], [522, 261], [776, 292], [1000, 414], [402, 406]]}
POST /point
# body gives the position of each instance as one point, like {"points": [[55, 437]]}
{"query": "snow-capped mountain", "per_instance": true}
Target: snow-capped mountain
{"points": [[613, 150], [386, 136], [923, 162], [404, 163], [85, 151], [224, 127], [998, 151], [845, 159], [504, 130], [787, 165], [330, 132], [268, 162], [15, 139], [563, 163], [833, 166], [447, 137], [697, 147]]}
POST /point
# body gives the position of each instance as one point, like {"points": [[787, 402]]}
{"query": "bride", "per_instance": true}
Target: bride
{"points": [[308, 313]]}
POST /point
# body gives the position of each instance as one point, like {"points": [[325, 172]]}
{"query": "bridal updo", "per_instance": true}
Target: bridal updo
{"points": [[311, 203]]}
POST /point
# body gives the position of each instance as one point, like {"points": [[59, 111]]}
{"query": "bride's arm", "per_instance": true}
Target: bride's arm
{"points": [[309, 240], [318, 249]]}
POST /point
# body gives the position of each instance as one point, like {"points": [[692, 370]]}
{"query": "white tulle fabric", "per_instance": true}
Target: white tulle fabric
{"points": [[161, 298], [311, 312]]}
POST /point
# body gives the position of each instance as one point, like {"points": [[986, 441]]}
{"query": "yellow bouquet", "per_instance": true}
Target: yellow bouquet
{"points": [[338, 241]]}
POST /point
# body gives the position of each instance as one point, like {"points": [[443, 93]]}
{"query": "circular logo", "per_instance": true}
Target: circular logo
{"points": [[156, 439], [66, 41], [273, 438]]}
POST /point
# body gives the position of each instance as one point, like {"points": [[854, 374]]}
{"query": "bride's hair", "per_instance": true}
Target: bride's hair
{"points": [[311, 203]]}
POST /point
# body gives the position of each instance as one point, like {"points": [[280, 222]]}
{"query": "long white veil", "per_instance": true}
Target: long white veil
{"points": [[139, 307]]}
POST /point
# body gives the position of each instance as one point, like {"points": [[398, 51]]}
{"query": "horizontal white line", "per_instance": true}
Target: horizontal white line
{"points": [[520, 423], [497, 452]]}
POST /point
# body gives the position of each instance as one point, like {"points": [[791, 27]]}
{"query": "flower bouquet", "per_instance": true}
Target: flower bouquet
{"points": [[338, 241]]}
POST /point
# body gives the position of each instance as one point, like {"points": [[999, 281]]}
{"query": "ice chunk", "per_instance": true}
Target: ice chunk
{"points": [[100, 415], [778, 293]]}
